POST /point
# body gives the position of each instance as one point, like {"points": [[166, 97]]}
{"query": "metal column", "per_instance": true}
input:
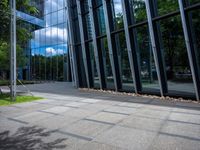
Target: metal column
{"points": [[190, 51], [112, 52], [157, 55], [132, 51], [85, 61], [13, 67], [99, 65], [71, 46]]}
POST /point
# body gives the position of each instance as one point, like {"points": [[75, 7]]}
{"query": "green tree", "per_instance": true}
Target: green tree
{"points": [[23, 34]]}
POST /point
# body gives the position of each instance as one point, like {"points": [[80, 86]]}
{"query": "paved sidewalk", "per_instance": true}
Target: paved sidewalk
{"points": [[78, 120]]}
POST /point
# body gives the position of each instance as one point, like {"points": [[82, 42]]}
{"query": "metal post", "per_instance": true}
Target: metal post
{"points": [[132, 50], [96, 49], [13, 50], [156, 54], [112, 51], [190, 51], [72, 51], [83, 47]]}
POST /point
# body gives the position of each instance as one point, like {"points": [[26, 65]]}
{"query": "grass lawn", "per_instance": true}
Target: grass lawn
{"points": [[5, 99]]}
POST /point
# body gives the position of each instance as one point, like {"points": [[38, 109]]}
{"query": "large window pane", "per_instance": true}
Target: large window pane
{"points": [[99, 17], [148, 71], [106, 62], [193, 18], [166, 6], [179, 77], [194, 2], [117, 14], [124, 65], [95, 76], [138, 10]]}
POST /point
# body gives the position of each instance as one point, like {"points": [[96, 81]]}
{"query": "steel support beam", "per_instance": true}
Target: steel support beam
{"points": [[132, 48], [112, 52], [99, 65], [156, 50], [83, 47], [13, 67], [190, 50]]}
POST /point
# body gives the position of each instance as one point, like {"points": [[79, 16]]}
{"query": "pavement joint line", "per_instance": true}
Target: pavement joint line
{"points": [[164, 121], [142, 129], [138, 102], [48, 112], [97, 121], [180, 136], [69, 106], [115, 112], [16, 120], [183, 122], [147, 117], [75, 135], [158, 109], [187, 113], [125, 106], [87, 102]]}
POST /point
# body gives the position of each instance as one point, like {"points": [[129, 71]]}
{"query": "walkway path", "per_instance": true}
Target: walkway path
{"points": [[78, 120]]}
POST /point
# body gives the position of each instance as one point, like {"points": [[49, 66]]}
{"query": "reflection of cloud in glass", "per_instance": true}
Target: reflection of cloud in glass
{"points": [[51, 40], [117, 6], [50, 36], [51, 51]]}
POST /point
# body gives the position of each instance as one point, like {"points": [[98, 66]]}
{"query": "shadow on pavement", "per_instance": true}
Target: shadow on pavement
{"points": [[29, 138]]}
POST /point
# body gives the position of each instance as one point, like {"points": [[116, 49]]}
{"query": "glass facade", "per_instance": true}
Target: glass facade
{"points": [[49, 48], [138, 45], [125, 45]]}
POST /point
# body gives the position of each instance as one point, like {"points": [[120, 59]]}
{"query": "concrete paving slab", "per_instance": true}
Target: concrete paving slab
{"points": [[168, 142], [99, 146], [86, 128], [55, 123], [45, 101], [96, 107], [33, 117], [79, 113], [191, 118], [109, 102], [9, 126], [186, 130], [108, 117], [127, 138], [90, 100], [186, 111], [143, 123], [153, 113], [75, 104], [57, 110], [121, 110]]}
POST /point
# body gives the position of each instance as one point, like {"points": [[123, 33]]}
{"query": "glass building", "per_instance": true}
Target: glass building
{"points": [[138, 46], [49, 49]]}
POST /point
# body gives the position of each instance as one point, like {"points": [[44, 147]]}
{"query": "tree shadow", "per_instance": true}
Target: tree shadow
{"points": [[29, 138]]}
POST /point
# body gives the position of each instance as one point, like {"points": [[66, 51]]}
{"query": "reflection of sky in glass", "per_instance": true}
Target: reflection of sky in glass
{"points": [[30, 19], [117, 6], [52, 39]]}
